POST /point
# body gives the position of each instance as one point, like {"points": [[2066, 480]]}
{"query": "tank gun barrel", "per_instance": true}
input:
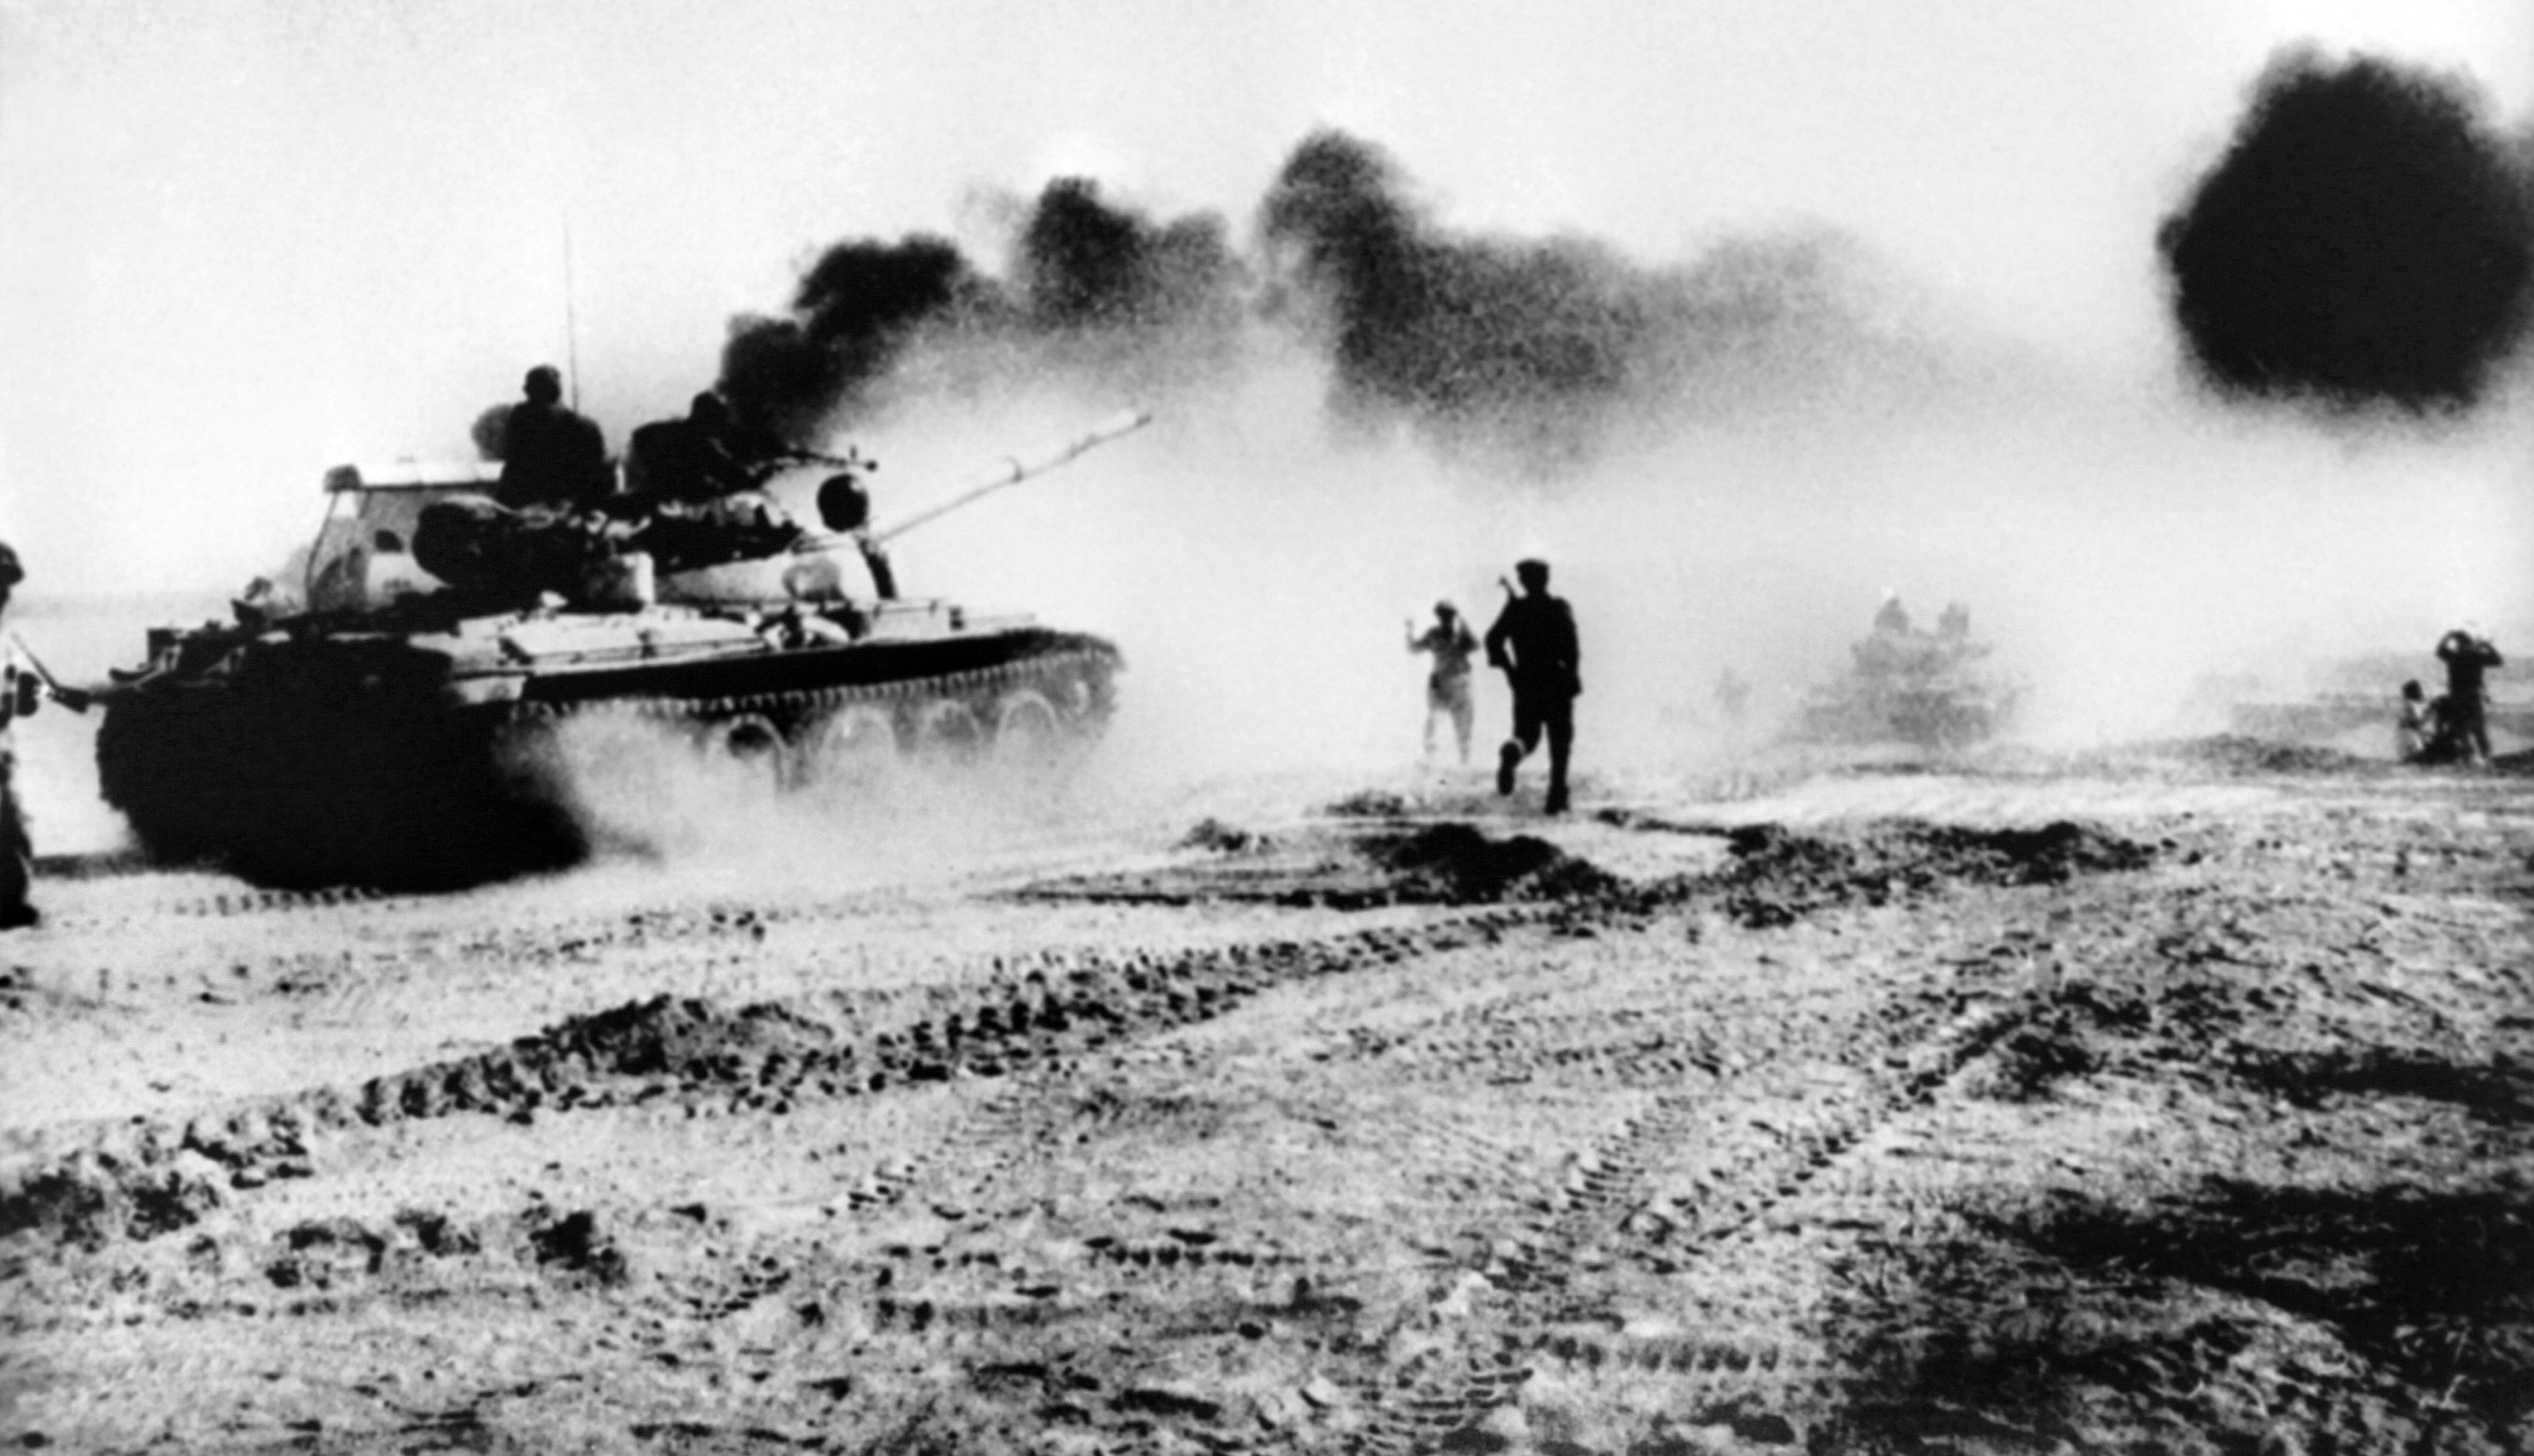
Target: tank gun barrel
{"points": [[1125, 422]]}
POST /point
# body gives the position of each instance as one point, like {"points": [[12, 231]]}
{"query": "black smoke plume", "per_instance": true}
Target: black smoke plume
{"points": [[1084, 265], [1094, 289], [1532, 352], [1539, 347], [1437, 326], [854, 312], [2365, 239]]}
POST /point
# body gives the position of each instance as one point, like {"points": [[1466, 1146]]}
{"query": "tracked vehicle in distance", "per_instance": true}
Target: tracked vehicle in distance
{"points": [[1904, 685], [401, 733]]}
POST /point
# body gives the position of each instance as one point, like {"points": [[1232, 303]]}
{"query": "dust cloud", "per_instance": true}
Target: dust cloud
{"points": [[652, 804], [2118, 548]]}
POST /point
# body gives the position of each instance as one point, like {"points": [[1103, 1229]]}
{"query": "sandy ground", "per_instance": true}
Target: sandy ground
{"points": [[2172, 1100]]}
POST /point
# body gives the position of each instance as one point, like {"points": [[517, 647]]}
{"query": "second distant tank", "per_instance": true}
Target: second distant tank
{"points": [[1909, 685]]}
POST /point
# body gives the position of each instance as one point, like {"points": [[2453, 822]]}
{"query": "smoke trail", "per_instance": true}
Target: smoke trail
{"points": [[2365, 238]]}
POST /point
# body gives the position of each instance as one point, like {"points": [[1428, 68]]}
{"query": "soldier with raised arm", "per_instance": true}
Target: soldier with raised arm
{"points": [[1447, 687], [2467, 654]]}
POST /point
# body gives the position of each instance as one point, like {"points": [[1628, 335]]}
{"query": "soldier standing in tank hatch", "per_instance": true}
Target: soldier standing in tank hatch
{"points": [[550, 456], [1534, 641], [686, 461]]}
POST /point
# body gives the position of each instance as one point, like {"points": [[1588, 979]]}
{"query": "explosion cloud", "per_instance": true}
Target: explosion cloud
{"points": [[2367, 238]]}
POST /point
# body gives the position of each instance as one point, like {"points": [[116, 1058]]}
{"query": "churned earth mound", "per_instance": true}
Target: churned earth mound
{"points": [[1456, 863]]}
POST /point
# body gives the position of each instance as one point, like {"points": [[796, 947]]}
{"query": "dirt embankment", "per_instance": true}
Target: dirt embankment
{"points": [[2169, 1129]]}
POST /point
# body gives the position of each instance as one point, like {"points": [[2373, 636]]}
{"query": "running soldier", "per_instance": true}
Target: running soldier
{"points": [[1534, 641], [1447, 687]]}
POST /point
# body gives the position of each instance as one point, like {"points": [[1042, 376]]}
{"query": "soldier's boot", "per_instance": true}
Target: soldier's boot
{"points": [[1507, 759], [1557, 803]]}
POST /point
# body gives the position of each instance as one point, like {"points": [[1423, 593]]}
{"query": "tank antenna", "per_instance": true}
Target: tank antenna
{"points": [[571, 317]]}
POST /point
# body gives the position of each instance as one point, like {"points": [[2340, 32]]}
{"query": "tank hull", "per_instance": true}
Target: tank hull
{"points": [[423, 760]]}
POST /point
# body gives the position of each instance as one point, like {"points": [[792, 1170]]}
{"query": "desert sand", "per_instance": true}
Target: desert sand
{"points": [[2168, 1099]]}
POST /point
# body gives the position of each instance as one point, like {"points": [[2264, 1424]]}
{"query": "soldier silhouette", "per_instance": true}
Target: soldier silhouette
{"points": [[1534, 641]]}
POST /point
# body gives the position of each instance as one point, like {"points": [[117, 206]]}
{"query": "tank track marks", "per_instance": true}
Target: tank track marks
{"points": [[1684, 1177], [293, 794], [141, 1180]]}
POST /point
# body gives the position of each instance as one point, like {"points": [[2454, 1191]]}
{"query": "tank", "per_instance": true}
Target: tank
{"points": [[1904, 685], [396, 733]]}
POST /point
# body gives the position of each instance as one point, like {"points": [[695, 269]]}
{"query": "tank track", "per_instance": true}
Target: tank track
{"points": [[806, 708], [295, 794]]}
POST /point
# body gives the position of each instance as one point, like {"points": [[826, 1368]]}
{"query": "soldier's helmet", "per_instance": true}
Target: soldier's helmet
{"points": [[1446, 609], [708, 408], [1532, 572], [11, 573], [543, 385]]}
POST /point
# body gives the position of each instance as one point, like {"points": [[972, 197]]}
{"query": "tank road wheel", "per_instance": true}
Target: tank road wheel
{"points": [[1028, 730], [749, 742], [947, 731], [854, 746]]}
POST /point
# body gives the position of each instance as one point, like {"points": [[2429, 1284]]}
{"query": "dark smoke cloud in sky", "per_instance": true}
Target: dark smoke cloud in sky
{"points": [[2365, 238], [1446, 329], [852, 312], [1097, 287], [1530, 351], [1084, 263], [1543, 346]]}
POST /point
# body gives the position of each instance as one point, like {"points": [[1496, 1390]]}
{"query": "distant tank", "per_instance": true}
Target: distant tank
{"points": [[1903, 686], [396, 734]]}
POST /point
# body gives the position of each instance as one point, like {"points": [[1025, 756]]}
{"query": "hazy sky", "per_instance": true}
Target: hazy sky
{"points": [[242, 241]]}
